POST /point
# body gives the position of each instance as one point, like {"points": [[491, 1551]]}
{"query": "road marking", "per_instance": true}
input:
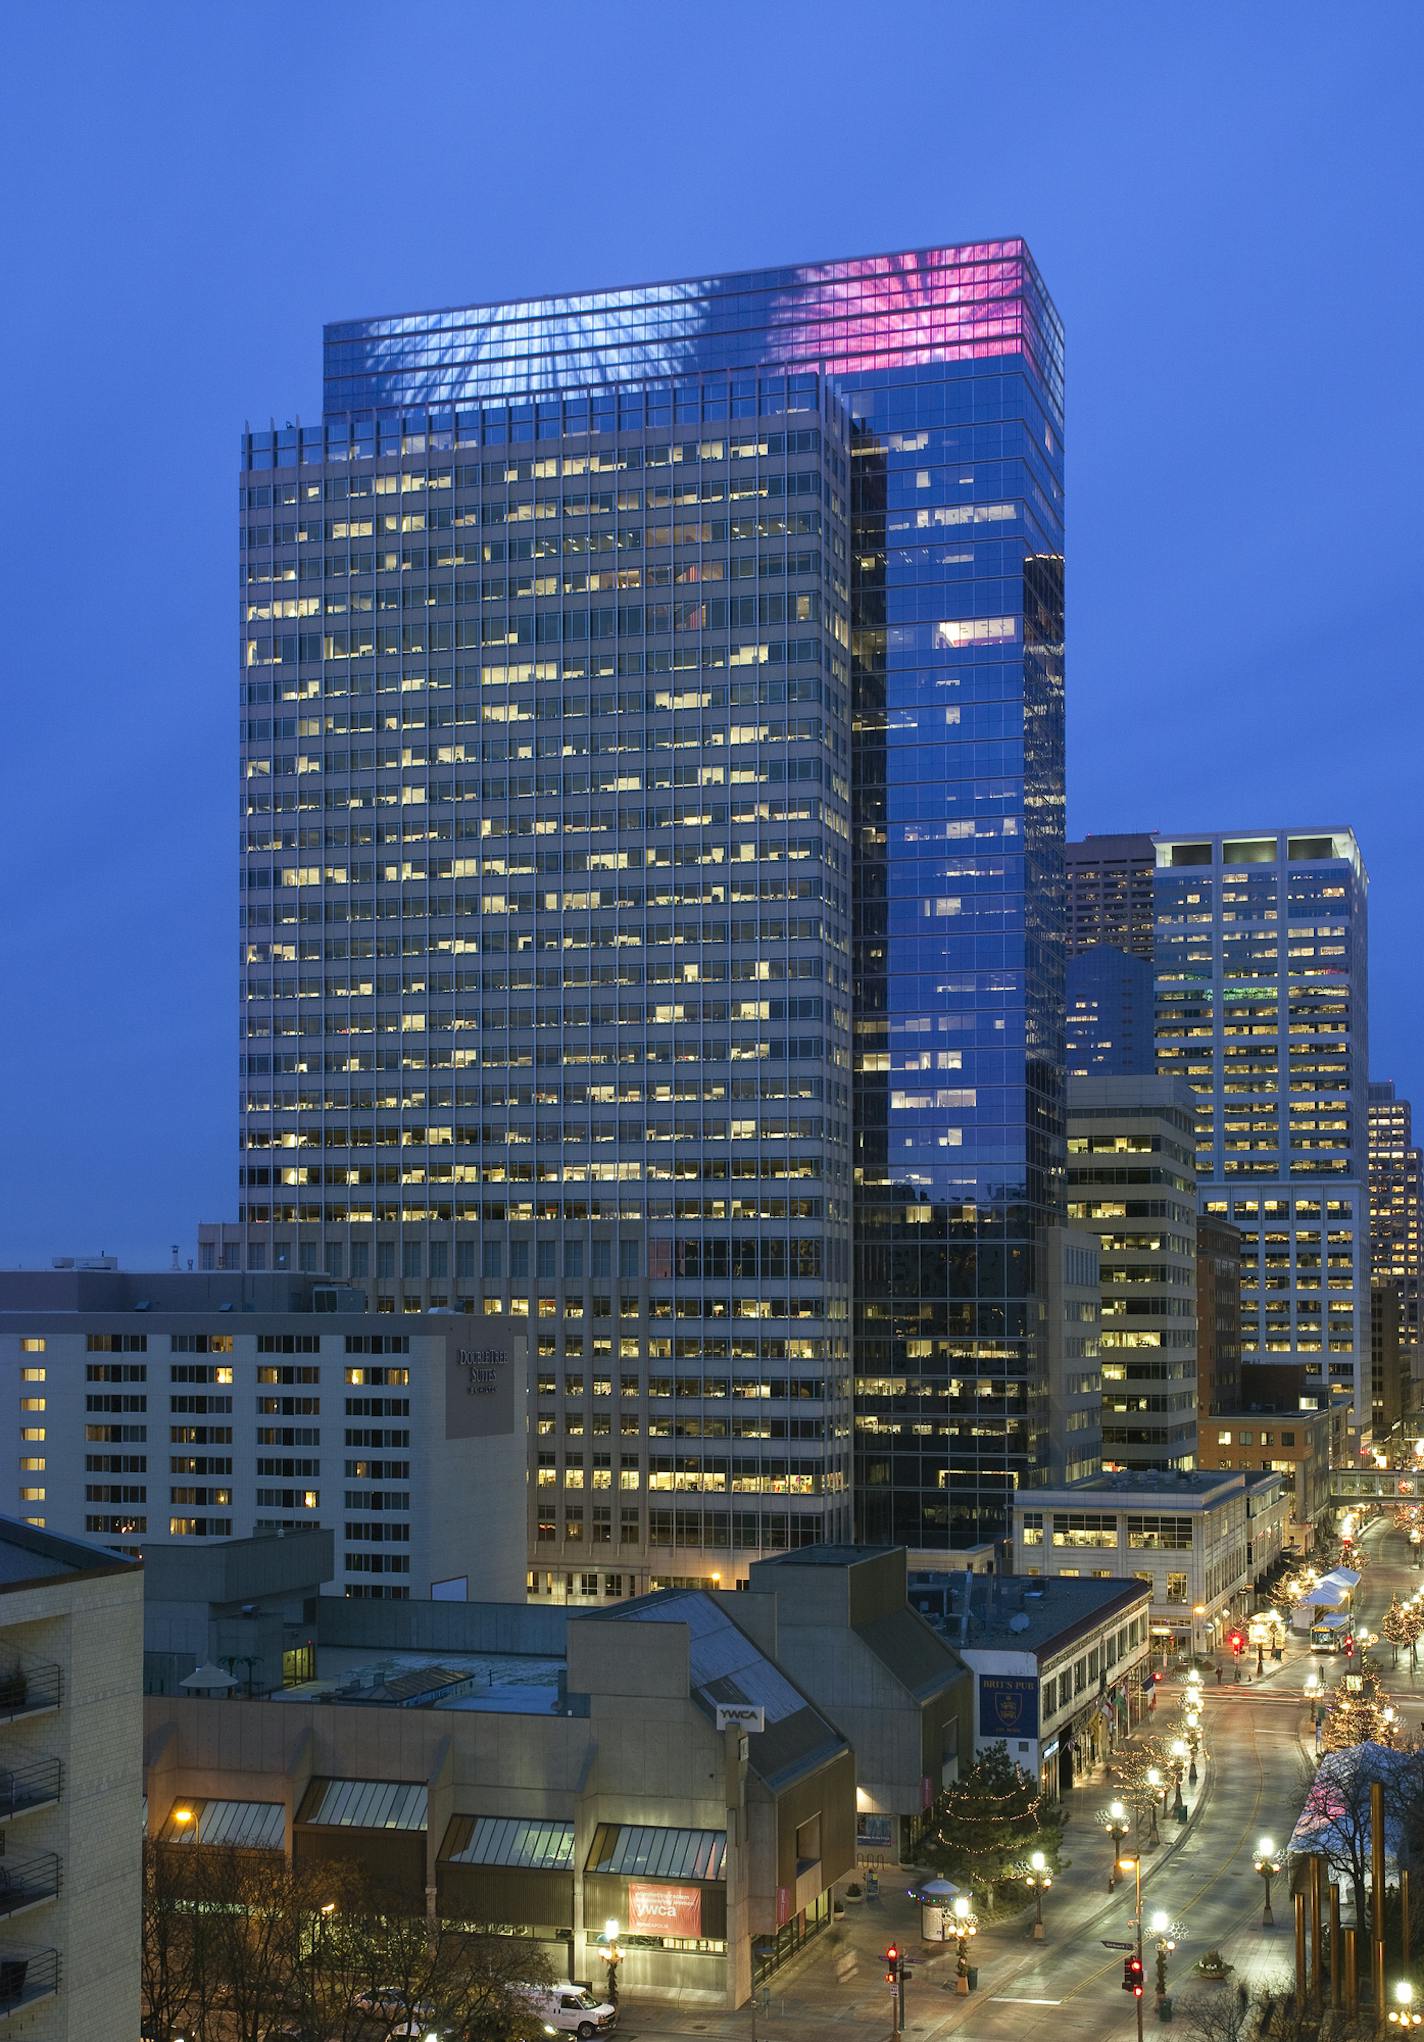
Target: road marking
{"points": [[1003, 1999]]}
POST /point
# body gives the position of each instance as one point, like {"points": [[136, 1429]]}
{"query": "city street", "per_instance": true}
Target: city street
{"points": [[1258, 1741]]}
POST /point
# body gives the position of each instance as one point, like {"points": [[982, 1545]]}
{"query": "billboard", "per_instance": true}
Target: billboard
{"points": [[664, 1910], [1008, 1704]]}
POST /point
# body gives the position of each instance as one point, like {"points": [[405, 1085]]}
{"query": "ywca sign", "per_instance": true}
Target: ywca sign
{"points": [[664, 1910], [479, 1390], [741, 1716]]}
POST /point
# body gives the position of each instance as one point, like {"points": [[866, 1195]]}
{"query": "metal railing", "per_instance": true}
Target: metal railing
{"points": [[26, 1979], [28, 1786], [26, 1881], [26, 1690]]}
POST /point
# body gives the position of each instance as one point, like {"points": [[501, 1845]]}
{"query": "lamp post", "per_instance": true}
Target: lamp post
{"points": [[966, 1924], [1268, 1865], [1402, 2014], [1154, 1781], [1179, 1760], [1168, 1934], [1312, 1695], [1114, 1820], [1038, 1879], [1134, 1865], [614, 1957]]}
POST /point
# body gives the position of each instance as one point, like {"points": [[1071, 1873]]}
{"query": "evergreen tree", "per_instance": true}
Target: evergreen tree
{"points": [[985, 1826]]}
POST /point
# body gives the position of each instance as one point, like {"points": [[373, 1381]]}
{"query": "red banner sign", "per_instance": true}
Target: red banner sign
{"points": [[664, 1910]]}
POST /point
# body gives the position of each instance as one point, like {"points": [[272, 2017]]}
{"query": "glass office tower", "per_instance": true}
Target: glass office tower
{"points": [[654, 775], [1263, 1008]]}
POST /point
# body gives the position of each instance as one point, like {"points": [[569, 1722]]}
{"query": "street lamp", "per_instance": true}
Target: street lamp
{"points": [[1268, 1865], [1114, 1820], [1168, 1933], [1402, 2013], [1038, 1879], [1390, 1717], [1179, 1759], [966, 1924], [614, 1956], [1193, 1745], [1134, 1865]]}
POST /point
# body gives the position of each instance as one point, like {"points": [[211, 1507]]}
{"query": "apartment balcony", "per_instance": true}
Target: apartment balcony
{"points": [[26, 1787], [27, 1883], [24, 1980], [28, 1690]]}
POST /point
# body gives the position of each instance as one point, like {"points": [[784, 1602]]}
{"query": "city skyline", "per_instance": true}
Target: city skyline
{"points": [[123, 893]]}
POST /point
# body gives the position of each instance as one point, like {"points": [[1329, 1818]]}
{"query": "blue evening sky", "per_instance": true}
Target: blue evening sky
{"points": [[1224, 201]]}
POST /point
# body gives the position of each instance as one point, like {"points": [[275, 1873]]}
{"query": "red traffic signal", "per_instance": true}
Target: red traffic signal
{"points": [[892, 1963], [1157, 1676], [1237, 1642], [1349, 1647], [1132, 1976]]}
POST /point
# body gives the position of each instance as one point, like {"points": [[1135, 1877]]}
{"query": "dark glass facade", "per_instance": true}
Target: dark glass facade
{"points": [[938, 374]]}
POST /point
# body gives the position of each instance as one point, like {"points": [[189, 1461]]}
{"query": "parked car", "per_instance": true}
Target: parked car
{"points": [[569, 2009]]}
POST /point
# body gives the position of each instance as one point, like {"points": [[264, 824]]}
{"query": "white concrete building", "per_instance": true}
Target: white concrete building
{"points": [[1059, 1667], [71, 1786], [194, 1408], [1184, 1533]]}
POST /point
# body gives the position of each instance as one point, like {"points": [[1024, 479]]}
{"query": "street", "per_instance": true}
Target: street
{"points": [[1258, 1743]]}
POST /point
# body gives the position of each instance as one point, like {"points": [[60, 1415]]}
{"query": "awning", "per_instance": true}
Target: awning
{"points": [[528, 1844], [635, 1852], [365, 1804], [240, 1825]]}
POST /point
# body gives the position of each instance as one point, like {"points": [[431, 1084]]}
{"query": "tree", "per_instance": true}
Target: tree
{"points": [[988, 1822], [239, 1946], [1355, 1711], [1131, 1767], [1336, 1821], [1395, 1627]]}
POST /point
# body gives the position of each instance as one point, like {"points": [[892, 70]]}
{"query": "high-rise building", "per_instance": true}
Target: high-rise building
{"points": [[1109, 892], [185, 1409], [1109, 1006], [1262, 1008], [1218, 1314], [653, 774], [1131, 1183], [1075, 1369], [71, 1770], [1397, 1209]]}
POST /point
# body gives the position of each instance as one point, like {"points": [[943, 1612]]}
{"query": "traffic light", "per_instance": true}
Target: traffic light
{"points": [[1237, 1643], [1349, 1646], [1132, 1976], [892, 1964]]}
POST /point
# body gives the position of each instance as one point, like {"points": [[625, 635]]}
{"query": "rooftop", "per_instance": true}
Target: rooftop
{"points": [[1162, 1485], [499, 1683], [727, 1666], [825, 1556], [1037, 1613], [30, 1557]]}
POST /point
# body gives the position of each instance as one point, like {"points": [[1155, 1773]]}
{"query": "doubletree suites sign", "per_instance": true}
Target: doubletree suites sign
{"points": [[479, 1390]]}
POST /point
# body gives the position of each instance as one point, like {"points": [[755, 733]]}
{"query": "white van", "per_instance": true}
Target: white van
{"points": [[569, 2009]]}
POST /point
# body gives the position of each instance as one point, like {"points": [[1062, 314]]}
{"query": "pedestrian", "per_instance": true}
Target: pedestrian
{"points": [[1218, 1673]]}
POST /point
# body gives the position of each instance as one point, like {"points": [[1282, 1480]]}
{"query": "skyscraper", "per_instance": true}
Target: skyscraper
{"points": [[1262, 978], [1132, 1185], [1110, 892], [654, 775], [1397, 1207], [1109, 1031]]}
